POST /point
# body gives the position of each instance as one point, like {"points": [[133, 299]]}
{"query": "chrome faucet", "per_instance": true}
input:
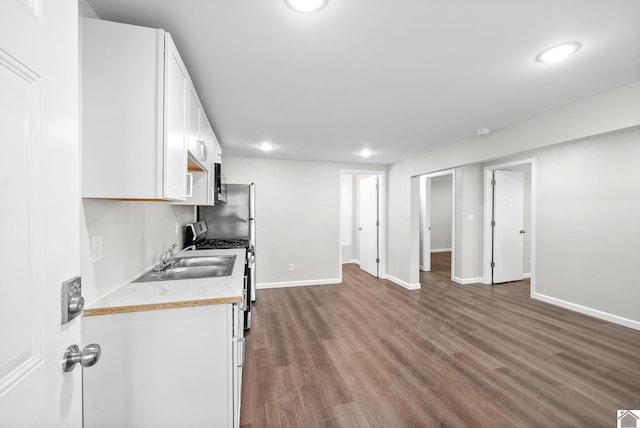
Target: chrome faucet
{"points": [[166, 258]]}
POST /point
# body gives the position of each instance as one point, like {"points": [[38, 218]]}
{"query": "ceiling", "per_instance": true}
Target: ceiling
{"points": [[399, 77]]}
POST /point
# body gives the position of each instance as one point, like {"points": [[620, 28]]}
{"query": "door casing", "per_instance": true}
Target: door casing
{"points": [[425, 221]]}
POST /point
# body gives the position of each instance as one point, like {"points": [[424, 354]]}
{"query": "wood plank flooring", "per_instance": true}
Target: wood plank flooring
{"points": [[368, 353]]}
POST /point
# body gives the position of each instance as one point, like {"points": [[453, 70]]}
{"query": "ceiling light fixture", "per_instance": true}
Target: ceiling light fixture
{"points": [[365, 153], [266, 147], [558, 52], [306, 6]]}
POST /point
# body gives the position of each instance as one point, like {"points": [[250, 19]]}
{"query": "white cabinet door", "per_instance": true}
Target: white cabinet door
{"points": [[39, 192], [205, 143], [215, 155], [175, 123], [134, 113], [163, 368], [239, 356], [122, 110], [194, 127]]}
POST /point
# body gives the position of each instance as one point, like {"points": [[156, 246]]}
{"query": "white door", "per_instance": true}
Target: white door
{"points": [[39, 200], [508, 231], [425, 224], [369, 224]]}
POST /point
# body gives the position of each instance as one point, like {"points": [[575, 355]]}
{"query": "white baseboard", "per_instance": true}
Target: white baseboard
{"points": [[526, 275], [402, 283], [465, 281], [266, 285], [441, 250], [589, 311]]}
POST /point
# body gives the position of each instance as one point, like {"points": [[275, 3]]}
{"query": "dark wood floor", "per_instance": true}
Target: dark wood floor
{"points": [[369, 353]]}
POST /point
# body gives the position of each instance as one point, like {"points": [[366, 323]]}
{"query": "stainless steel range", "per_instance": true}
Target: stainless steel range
{"points": [[230, 225]]}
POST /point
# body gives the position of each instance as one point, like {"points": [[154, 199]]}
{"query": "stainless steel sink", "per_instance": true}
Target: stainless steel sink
{"points": [[202, 261], [191, 268]]}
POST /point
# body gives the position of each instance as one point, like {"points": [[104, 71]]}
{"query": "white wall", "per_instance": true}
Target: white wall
{"points": [[355, 236], [134, 233], [297, 217], [469, 220], [346, 217], [592, 119], [588, 222]]}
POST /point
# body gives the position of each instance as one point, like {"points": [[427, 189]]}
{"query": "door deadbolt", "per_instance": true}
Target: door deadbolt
{"points": [[87, 357], [72, 300]]}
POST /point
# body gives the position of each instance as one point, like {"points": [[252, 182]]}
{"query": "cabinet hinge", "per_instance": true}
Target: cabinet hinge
{"points": [[377, 223], [493, 223], [377, 260], [493, 264], [493, 182]]}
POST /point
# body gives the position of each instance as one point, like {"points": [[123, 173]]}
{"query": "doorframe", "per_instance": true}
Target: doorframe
{"points": [[451, 172], [488, 209], [382, 211]]}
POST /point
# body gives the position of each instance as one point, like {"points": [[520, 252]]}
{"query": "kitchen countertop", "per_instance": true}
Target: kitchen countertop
{"points": [[154, 295]]}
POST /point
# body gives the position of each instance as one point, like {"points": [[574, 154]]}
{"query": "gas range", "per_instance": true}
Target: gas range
{"points": [[195, 239], [214, 244]]}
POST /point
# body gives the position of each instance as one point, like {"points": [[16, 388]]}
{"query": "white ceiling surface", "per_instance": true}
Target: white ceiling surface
{"points": [[400, 77]]}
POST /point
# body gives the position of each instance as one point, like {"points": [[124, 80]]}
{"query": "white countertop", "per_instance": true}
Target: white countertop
{"points": [[154, 295]]}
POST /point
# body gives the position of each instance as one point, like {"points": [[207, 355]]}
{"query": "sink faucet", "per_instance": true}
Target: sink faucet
{"points": [[165, 258]]}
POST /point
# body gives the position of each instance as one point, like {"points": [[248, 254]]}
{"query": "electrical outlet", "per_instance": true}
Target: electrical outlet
{"points": [[292, 267], [96, 249]]}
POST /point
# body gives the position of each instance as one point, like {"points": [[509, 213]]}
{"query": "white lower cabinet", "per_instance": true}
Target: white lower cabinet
{"points": [[165, 368]]}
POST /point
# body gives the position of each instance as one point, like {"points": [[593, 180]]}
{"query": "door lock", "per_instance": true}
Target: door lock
{"points": [[72, 300], [87, 357]]}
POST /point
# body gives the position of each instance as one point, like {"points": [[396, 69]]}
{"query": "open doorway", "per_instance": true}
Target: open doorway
{"points": [[437, 198], [509, 226], [362, 220]]}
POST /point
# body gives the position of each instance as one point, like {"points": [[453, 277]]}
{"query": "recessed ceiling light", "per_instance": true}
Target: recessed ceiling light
{"points": [[266, 147], [558, 52], [306, 6], [365, 153]]}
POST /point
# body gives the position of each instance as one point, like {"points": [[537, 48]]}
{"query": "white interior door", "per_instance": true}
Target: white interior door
{"points": [[508, 231], [39, 201], [425, 224], [368, 224]]}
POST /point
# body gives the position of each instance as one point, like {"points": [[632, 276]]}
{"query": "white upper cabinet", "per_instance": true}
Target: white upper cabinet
{"points": [[201, 154], [136, 125], [176, 89]]}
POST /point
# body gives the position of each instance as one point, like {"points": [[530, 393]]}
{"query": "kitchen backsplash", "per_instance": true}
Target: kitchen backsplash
{"points": [[133, 236]]}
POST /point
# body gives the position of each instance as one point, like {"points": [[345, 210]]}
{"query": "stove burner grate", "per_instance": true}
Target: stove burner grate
{"points": [[212, 244]]}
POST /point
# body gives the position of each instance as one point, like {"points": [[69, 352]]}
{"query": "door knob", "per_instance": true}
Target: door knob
{"points": [[87, 357]]}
